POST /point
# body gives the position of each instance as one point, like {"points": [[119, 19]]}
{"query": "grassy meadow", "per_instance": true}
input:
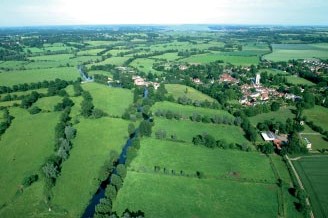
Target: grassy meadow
{"points": [[318, 115], [187, 110], [279, 116], [23, 150], [111, 100], [37, 75], [185, 130], [178, 90], [285, 52], [91, 148]]}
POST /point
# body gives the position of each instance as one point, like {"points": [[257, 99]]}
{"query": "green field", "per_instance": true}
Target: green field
{"points": [[111, 100], [314, 175], [118, 61], [79, 177], [214, 163], [227, 173], [279, 116], [176, 196], [144, 64], [167, 56], [285, 52], [48, 103], [318, 115], [232, 58], [177, 90], [37, 75], [187, 110], [317, 141], [101, 72], [185, 130], [23, 150], [298, 81]]}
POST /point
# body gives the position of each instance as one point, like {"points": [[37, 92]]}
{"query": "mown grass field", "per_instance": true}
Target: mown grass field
{"points": [[232, 58], [314, 175], [185, 130], [299, 81], [101, 72], [111, 100], [216, 195], [48, 103], [144, 65], [37, 75], [23, 151], [318, 115], [118, 61], [91, 148], [178, 90], [187, 110], [214, 163], [279, 116], [160, 195], [285, 52]]}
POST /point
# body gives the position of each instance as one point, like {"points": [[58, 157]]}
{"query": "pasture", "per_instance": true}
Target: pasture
{"points": [[94, 141], [144, 64], [278, 116], [318, 115], [295, 80], [178, 90], [214, 163], [285, 52], [177, 196], [23, 150], [48, 103], [185, 130], [318, 141], [37, 75], [187, 110], [314, 175], [231, 58], [111, 100]]}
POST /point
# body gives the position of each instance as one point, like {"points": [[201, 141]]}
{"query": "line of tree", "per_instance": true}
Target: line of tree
{"points": [[88, 110], [4, 125], [209, 141], [35, 85], [64, 133]]}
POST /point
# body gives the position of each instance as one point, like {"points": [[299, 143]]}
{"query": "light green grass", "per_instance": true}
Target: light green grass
{"points": [[23, 149], [299, 81], [278, 116], [12, 64], [178, 90], [144, 65], [285, 52], [214, 163], [173, 196], [185, 130], [9, 103], [314, 175], [37, 75], [91, 148], [101, 72], [187, 110], [118, 61], [233, 59], [48, 103], [111, 100], [318, 115], [90, 52], [317, 141]]}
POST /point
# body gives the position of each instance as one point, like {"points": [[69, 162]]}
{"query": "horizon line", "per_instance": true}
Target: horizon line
{"points": [[164, 24]]}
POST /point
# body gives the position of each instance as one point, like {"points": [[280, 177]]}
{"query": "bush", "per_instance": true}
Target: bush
{"points": [[34, 110], [30, 180]]}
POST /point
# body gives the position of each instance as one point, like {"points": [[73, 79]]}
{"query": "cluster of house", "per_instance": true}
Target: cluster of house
{"points": [[280, 140], [255, 92], [315, 65], [139, 81]]}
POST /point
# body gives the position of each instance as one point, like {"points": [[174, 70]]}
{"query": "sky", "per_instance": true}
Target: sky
{"points": [[75, 12]]}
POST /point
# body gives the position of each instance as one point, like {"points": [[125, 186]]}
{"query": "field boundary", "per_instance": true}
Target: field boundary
{"points": [[299, 182]]}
